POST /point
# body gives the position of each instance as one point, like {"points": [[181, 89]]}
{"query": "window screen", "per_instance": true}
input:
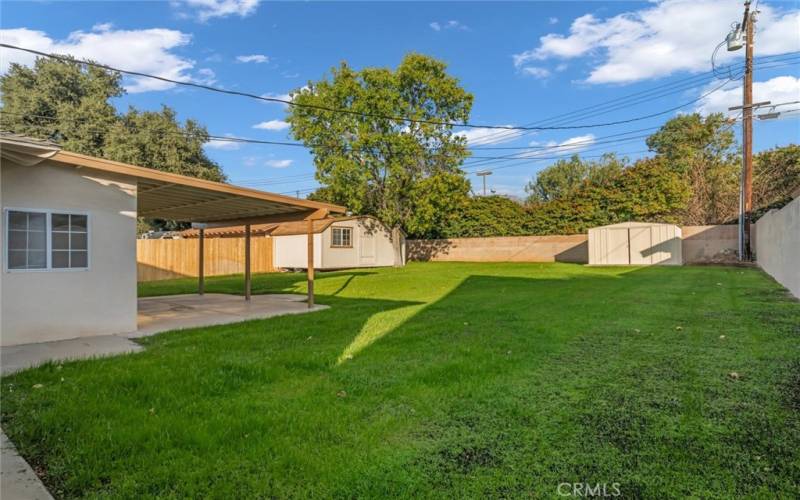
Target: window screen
{"points": [[69, 241], [27, 240], [342, 237]]}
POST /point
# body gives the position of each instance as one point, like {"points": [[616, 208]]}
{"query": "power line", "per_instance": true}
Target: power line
{"points": [[69, 59]]}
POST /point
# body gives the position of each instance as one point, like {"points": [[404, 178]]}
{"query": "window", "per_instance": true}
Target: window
{"points": [[27, 240], [342, 237], [47, 240], [69, 237]]}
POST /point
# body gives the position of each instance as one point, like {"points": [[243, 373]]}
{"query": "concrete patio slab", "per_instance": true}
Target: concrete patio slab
{"points": [[173, 312], [156, 315], [17, 479], [20, 357]]}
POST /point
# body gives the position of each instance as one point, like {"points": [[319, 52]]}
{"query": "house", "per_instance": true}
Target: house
{"points": [[339, 242], [68, 235]]}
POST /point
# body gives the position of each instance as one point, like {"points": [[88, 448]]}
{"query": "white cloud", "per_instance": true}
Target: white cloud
{"points": [[206, 76], [223, 145], [254, 58], [204, 10], [552, 20], [448, 25], [776, 90], [571, 145], [659, 40], [272, 125], [146, 51], [278, 163], [536, 71], [483, 136]]}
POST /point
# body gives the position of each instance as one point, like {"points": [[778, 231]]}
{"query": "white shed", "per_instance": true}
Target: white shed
{"points": [[635, 243], [339, 243]]}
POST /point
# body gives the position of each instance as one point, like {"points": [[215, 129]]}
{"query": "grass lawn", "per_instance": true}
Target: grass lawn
{"points": [[455, 380]]}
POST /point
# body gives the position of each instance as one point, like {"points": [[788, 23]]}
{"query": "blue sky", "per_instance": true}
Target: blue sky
{"points": [[523, 61]]}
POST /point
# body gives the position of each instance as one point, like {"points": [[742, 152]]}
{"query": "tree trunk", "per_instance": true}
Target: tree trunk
{"points": [[399, 258]]}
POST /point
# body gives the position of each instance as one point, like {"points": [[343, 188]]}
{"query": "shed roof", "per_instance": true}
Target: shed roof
{"points": [[178, 197], [634, 224], [282, 229]]}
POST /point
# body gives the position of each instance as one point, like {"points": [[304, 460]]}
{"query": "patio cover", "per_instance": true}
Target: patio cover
{"points": [[165, 195]]}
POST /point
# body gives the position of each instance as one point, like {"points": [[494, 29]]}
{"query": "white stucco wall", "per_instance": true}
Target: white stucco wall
{"points": [[778, 245], [40, 306], [290, 251]]}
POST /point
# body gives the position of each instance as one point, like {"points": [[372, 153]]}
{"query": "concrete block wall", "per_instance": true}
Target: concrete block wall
{"points": [[700, 245]]}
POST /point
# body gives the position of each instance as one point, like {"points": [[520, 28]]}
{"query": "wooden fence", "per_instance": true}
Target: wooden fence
{"points": [[168, 259]]}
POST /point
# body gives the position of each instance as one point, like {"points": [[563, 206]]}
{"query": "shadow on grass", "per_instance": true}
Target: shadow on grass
{"points": [[287, 282]]}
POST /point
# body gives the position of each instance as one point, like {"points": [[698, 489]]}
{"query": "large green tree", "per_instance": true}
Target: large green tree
{"points": [[704, 151], [71, 103], [649, 190], [565, 176], [405, 173], [68, 102], [776, 177]]}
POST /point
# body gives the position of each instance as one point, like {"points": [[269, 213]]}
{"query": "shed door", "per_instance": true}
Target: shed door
{"points": [[641, 245], [367, 247], [617, 250]]}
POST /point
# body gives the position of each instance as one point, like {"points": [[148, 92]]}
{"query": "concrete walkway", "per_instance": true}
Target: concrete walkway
{"points": [[20, 357], [17, 479]]}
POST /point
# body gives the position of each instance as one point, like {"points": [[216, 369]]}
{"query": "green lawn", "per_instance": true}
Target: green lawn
{"points": [[456, 380]]}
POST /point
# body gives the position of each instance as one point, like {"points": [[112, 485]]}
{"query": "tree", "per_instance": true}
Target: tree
{"points": [[776, 174], [565, 176], [155, 139], [703, 150], [649, 190], [483, 216], [68, 102], [374, 164]]}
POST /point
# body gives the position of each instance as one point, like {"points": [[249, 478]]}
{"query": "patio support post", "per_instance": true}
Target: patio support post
{"points": [[201, 285], [247, 262], [310, 268]]}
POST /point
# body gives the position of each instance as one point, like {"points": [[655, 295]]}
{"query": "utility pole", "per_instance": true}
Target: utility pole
{"points": [[484, 173], [746, 30], [747, 126]]}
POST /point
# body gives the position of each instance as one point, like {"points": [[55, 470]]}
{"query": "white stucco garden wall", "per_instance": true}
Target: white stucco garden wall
{"points": [[40, 306], [778, 245]]}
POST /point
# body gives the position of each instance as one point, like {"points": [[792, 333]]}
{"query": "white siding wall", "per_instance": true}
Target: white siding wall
{"points": [[290, 251], [40, 306], [635, 243]]}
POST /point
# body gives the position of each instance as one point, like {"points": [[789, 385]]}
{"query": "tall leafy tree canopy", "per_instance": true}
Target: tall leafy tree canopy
{"points": [[70, 102], [565, 176], [405, 173], [704, 151]]}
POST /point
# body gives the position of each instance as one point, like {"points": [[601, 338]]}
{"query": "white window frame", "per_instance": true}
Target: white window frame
{"points": [[348, 228], [49, 236]]}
